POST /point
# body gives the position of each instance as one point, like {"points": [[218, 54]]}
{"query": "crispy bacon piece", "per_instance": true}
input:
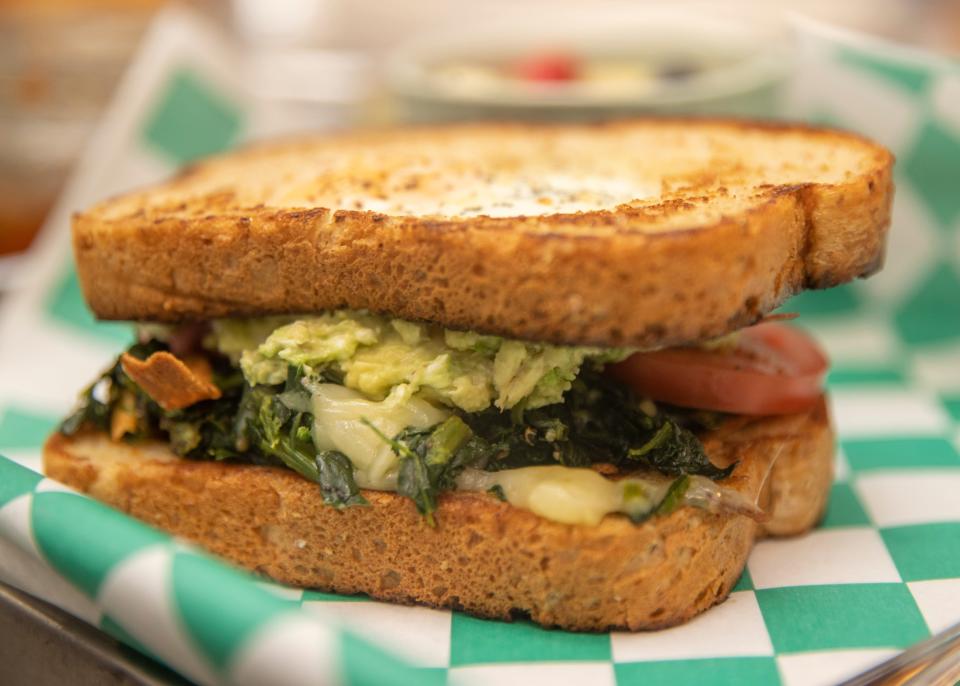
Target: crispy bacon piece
{"points": [[171, 382]]}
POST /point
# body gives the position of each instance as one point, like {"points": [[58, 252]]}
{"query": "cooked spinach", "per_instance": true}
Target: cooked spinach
{"points": [[274, 430], [98, 401], [497, 492], [598, 421], [94, 407], [251, 424], [431, 459], [336, 480], [203, 431], [671, 501]]}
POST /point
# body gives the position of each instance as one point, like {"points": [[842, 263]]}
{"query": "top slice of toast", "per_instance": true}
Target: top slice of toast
{"points": [[644, 233]]}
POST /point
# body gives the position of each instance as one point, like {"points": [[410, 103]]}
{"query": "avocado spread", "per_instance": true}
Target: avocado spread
{"points": [[375, 355]]}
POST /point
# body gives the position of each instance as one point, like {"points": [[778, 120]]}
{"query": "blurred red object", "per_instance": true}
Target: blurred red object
{"points": [[548, 66], [59, 63]]}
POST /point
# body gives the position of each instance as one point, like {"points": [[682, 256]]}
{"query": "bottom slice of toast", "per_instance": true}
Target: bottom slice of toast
{"points": [[484, 556]]}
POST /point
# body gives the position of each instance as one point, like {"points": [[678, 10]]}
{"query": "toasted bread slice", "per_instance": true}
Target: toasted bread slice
{"points": [[484, 556], [643, 233]]}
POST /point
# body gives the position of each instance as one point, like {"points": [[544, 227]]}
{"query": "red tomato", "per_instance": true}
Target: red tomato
{"points": [[547, 66], [773, 369]]}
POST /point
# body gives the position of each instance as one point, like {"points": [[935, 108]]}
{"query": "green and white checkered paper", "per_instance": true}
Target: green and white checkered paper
{"points": [[880, 573]]}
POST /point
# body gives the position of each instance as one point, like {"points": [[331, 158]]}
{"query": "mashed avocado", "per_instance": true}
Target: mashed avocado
{"points": [[231, 337], [377, 355]]}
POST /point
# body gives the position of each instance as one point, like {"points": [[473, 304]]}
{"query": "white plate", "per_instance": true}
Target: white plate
{"points": [[744, 54]]}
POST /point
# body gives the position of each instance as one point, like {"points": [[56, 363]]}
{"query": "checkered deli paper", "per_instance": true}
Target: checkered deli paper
{"points": [[880, 573]]}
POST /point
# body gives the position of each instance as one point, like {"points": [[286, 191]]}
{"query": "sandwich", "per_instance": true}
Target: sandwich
{"points": [[514, 370]]}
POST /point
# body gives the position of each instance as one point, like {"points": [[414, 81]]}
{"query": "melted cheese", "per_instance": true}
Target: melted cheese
{"points": [[563, 494], [569, 495], [338, 425]]}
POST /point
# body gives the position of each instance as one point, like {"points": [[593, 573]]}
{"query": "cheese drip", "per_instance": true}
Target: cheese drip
{"points": [[569, 495], [582, 496]]}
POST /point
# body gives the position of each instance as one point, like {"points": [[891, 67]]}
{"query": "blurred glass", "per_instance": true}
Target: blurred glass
{"points": [[59, 63]]}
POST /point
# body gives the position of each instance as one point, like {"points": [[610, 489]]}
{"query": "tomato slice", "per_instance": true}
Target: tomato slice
{"points": [[771, 369]]}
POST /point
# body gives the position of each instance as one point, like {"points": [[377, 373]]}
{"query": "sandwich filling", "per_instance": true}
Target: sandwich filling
{"points": [[352, 400]]}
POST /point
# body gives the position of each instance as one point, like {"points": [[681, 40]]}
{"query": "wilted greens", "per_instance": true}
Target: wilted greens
{"points": [[598, 421]]}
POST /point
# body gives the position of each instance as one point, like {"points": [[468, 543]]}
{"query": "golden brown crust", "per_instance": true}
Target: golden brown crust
{"points": [[484, 556], [691, 229]]}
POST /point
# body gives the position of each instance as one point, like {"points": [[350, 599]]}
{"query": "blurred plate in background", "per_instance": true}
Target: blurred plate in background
{"points": [[594, 63]]}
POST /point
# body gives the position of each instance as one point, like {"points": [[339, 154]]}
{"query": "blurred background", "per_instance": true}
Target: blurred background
{"points": [[309, 64]]}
